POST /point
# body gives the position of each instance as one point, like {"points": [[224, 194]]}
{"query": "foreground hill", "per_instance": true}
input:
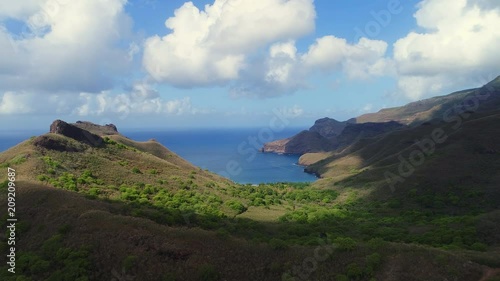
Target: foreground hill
{"points": [[95, 205]]}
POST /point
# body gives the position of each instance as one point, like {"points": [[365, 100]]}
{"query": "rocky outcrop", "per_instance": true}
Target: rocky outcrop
{"points": [[328, 127], [278, 146], [69, 130], [320, 137], [303, 142], [108, 129]]}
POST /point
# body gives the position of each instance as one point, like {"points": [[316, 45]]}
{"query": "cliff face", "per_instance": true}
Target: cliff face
{"points": [[278, 146], [108, 129], [303, 142], [72, 131], [320, 137], [329, 128]]}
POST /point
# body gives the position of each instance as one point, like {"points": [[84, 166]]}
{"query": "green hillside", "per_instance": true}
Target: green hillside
{"points": [[112, 208]]}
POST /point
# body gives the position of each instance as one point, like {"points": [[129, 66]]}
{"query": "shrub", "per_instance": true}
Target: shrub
{"points": [[375, 243], [43, 178], [5, 184], [51, 246], [30, 263], [345, 243], [222, 233], [129, 262], [64, 229], [136, 170], [236, 205], [341, 277], [168, 277], [107, 140], [354, 271], [373, 260], [480, 247], [278, 244], [208, 272], [51, 162], [94, 191], [153, 172]]}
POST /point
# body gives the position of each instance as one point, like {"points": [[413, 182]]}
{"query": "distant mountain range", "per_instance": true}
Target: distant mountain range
{"points": [[329, 134]]}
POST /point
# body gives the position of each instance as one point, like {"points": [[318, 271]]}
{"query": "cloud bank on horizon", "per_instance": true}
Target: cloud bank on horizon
{"points": [[91, 57]]}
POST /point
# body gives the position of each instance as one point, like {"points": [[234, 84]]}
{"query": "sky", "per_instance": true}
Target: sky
{"points": [[144, 64]]}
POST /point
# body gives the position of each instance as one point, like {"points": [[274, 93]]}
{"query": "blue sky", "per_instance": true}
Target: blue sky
{"points": [[235, 63]]}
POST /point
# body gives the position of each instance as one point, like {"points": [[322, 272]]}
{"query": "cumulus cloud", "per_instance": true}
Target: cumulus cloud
{"points": [[141, 99], [124, 105], [12, 103], [64, 46], [210, 46], [358, 61], [285, 71], [276, 73], [224, 43], [20, 9], [459, 45]]}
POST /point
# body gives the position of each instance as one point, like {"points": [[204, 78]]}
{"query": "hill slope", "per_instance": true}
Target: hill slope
{"points": [[412, 114], [95, 205]]}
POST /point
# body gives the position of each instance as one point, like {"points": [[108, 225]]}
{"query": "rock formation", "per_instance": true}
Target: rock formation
{"points": [[108, 129], [69, 130]]}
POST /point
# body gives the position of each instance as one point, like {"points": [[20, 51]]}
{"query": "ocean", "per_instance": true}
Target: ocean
{"points": [[232, 153]]}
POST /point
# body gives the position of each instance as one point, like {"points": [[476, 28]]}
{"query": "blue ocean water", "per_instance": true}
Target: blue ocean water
{"points": [[232, 153], [10, 138]]}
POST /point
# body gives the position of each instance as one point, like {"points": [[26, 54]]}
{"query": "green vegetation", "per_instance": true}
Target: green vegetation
{"points": [[53, 262], [307, 211], [145, 196], [208, 273], [129, 262], [236, 205]]}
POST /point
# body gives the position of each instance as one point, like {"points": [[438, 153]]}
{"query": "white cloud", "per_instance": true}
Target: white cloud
{"points": [[66, 45], [142, 99], [211, 46], [12, 103], [460, 44], [20, 9], [284, 70], [222, 45], [358, 61], [282, 58]]}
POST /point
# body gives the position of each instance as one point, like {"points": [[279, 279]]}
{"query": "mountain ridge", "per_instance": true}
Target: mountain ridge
{"points": [[411, 114]]}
